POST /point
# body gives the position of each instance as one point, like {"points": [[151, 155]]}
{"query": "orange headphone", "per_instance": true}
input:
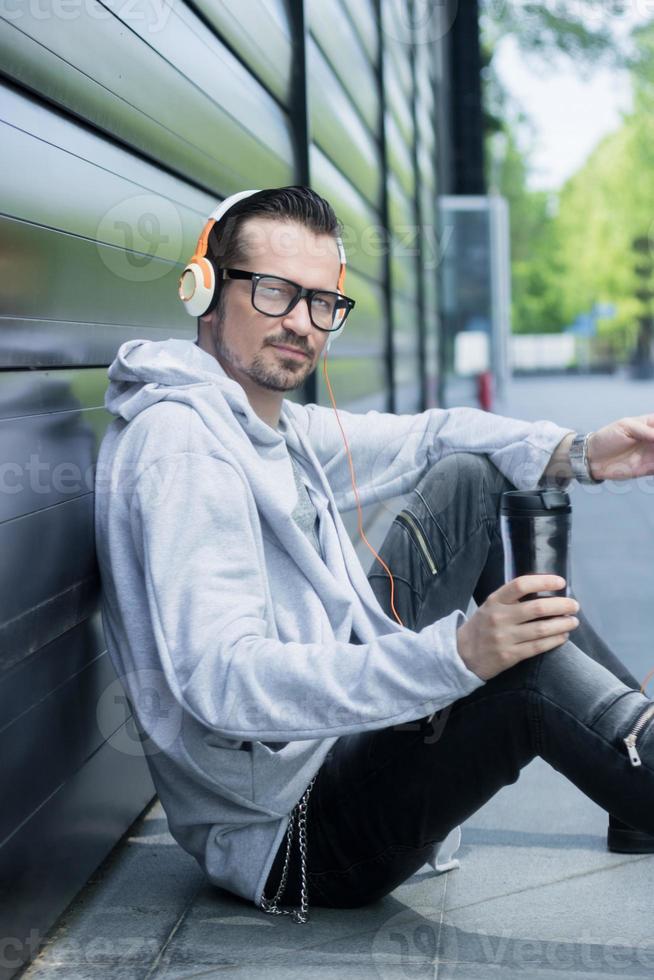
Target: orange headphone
{"points": [[196, 289]]}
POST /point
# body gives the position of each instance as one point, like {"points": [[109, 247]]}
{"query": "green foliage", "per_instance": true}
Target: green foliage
{"points": [[535, 299], [571, 252], [578, 30], [608, 204]]}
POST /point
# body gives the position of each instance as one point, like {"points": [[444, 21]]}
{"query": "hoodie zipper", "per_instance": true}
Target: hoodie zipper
{"points": [[630, 740], [410, 522]]}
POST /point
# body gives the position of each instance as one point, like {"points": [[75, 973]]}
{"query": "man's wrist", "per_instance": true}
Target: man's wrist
{"points": [[579, 458], [558, 472]]}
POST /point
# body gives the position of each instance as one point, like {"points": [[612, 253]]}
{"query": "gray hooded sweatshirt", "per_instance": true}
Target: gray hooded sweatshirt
{"points": [[230, 633]]}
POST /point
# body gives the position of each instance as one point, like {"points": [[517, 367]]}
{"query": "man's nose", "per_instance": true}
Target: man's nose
{"points": [[299, 319]]}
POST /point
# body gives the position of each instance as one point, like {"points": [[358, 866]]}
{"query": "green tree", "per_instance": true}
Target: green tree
{"points": [[573, 250], [607, 204], [580, 31]]}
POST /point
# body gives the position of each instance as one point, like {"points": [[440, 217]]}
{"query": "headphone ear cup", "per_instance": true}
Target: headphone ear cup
{"points": [[197, 285]]}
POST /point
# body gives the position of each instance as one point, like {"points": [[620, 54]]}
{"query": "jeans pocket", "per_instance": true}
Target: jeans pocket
{"points": [[420, 539]]}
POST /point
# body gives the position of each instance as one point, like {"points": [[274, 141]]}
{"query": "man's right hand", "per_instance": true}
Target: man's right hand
{"points": [[504, 631]]}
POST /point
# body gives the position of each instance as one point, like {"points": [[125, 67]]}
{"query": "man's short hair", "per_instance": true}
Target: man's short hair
{"points": [[296, 203]]}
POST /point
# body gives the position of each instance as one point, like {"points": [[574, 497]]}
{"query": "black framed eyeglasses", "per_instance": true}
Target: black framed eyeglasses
{"points": [[276, 296]]}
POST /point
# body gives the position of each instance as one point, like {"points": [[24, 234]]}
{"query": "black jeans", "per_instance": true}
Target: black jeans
{"points": [[382, 798]]}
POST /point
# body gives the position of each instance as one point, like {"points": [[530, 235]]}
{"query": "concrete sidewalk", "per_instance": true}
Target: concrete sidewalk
{"points": [[537, 894]]}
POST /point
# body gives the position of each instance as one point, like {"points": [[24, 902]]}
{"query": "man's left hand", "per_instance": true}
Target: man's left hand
{"points": [[622, 450]]}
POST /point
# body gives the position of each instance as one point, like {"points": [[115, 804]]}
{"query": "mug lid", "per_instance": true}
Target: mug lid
{"points": [[529, 502]]}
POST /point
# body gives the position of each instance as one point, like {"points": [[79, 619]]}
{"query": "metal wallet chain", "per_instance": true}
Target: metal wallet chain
{"points": [[270, 905]]}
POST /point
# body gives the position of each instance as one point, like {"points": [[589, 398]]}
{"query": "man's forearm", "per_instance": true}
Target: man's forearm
{"points": [[558, 468]]}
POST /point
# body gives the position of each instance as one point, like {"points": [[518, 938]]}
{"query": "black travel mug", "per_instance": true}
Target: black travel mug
{"points": [[535, 526]]}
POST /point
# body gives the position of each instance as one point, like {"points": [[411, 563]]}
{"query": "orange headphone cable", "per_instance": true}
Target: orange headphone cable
{"points": [[354, 487], [648, 677]]}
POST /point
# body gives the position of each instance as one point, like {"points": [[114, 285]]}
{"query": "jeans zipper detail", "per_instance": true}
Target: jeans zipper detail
{"points": [[406, 518], [630, 740]]}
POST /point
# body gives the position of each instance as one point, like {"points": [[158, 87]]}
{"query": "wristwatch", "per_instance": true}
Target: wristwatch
{"points": [[579, 459]]}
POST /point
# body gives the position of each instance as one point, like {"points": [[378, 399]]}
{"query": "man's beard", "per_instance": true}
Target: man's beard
{"points": [[259, 370]]}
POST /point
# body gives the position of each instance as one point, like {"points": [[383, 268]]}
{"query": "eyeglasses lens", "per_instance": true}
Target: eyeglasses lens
{"points": [[274, 296]]}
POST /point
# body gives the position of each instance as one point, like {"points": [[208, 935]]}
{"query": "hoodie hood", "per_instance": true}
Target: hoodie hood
{"points": [[144, 371]]}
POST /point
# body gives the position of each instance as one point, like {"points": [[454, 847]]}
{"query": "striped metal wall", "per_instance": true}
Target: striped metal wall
{"points": [[121, 125]]}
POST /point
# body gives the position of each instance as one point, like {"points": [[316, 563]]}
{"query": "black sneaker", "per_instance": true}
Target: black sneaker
{"points": [[625, 839]]}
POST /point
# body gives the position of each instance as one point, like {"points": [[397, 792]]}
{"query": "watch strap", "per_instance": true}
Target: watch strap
{"points": [[579, 459]]}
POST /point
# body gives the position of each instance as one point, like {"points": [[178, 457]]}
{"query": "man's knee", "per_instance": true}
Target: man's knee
{"points": [[462, 470], [471, 480]]}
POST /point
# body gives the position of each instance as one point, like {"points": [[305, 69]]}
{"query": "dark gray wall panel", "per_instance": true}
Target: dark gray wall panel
{"points": [[261, 35], [404, 241], [74, 281], [36, 677], [356, 361], [339, 131], [365, 325], [65, 840], [80, 343], [430, 251], [344, 50], [398, 33], [27, 393], [400, 206], [47, 459], [399, 102], [405, 353], [362, 15], [176, 94], [427, 157], [362, 378], [403, 267], [425, 120], [432, 327], [41, 599], [93, 177], [425, 90], [362, 225], [69, 714], [399, 157], [427, 171], [103, 254], [406, 325]]}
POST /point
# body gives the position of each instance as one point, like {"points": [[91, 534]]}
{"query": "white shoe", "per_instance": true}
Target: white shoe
{"points": [[442, 858]]}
